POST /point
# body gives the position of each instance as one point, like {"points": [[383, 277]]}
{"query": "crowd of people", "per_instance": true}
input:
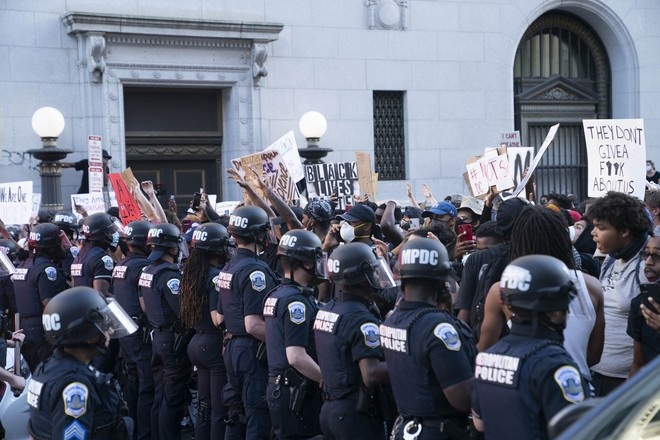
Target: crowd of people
{"points": [[449, 319]]}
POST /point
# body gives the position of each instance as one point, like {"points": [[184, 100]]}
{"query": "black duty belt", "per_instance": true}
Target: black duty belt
{"points": [[164, 328], [208, 332]]}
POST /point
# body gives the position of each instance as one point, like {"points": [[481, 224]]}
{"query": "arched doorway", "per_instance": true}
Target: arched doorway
{"points": [[561, 74]]}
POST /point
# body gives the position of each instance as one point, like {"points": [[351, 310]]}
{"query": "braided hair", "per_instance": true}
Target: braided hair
{"points": [[193, 287], [539, 230]]}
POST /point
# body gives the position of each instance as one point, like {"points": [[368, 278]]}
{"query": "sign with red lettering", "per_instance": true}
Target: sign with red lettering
{"points": [[616, 149], [128, 208], [492, 169]]}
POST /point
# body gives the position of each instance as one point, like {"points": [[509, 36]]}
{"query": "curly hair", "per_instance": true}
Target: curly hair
{"points": [[539, 230], [621, 211], [193, 293]]}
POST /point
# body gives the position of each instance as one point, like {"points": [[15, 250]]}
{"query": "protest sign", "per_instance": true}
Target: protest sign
{"points": [[491, 169], [16, 202], [273, 171], [510, 139], [36, 203], [519, 160], [366, 178], [129, 210], [95, 161], [226, 208], [616, 150], [326, 179], [92, 203], [537, 159], [286, 146]]}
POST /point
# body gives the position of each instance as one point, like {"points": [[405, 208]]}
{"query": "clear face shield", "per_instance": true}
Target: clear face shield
{"points": [[230, 248], [381, 275], [321, 267], [117, 323], [6, 266], [116, 231]]}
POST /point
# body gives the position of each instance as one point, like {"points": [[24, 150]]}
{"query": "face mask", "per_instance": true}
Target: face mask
{"points": [[115, 240], [649, 168], [571, 233], [347, 232]]}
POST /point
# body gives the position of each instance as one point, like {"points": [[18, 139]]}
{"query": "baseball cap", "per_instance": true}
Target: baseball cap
{"points": [[441, 208], [359, 213], [106, 155], [412, 212], [473, 204]]}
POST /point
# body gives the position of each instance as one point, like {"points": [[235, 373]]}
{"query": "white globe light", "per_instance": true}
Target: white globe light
{"points": [[48, 122], [313, 125]]}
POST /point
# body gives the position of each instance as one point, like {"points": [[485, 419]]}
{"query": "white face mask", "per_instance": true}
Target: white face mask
{"points": [[571, 233], [649, 168], [115, 240], [347, 232]]}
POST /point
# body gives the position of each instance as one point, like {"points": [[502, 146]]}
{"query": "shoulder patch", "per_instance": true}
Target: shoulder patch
{"points": [[568, 379], [297, 312], [75, 397], [51, 273], [371, 334], [75, 431], [258, 280], [107, 262], [74, 251], [448, 335], [215, 283], [173, 285]]}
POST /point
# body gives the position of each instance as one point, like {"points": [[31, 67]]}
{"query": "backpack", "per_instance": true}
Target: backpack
{"points": [[490, 276]]}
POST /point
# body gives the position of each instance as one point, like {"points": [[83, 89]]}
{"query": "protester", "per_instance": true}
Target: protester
{"points": [[652, 175]]}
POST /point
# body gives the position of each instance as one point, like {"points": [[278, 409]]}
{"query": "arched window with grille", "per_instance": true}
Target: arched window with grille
{"points": [[561, 74]]}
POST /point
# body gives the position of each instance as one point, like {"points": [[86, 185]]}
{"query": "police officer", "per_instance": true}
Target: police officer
{"points": [[93, 266], [527, 377], [36, 281], [348, 346], [139, 384], [293, 393], [159, 288], [199, 298], [429, 360], [68, 223], [68, 398], [243, 285], [7, 295]]}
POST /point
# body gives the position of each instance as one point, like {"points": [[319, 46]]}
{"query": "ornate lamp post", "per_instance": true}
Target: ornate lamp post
{"points": [[313, 126], [48, 123]]}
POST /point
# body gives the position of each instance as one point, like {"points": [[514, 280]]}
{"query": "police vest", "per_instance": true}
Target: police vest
{"points": [[301, 309], [83, 268], [81, 393], [505, 382], [230, 279], [406, 337], [152, 285], [34, 280], [125, 277]]}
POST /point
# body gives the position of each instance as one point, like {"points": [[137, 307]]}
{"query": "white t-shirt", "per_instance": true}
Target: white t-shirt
{"points": [[579, 325]]}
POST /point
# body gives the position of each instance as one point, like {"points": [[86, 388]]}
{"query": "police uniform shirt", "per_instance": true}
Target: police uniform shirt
{"points": [[69, 400], [345, 332], [7, 295], [36, 280], [125, 277], [211, 289], [523, 381], [423, 359], [159, 287], [71, 255], [92, 263], [289, 316], [641, 332], [242, 286]]}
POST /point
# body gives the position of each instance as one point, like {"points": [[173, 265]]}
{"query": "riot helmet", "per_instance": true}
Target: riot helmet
{"points": [[212, 238], [355, 263], [538, 283], [44, 237], [102, 229], [66, 221], [161, 238], [77, 314], [10, 249], [249, 222], [136, 233], [424, 258], [303, 245]]}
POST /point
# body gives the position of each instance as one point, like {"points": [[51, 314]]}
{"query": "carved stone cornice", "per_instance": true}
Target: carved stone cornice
{"points": [[173, 150], [144, 40]]}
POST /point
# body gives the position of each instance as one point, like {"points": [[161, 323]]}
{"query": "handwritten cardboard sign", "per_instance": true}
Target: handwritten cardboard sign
{"points": [[129, 210], [510, 139], [368, 181], [519, 160], [326, 179], [226, 208], [616, 149], [274, 172], [16, 202], [92, 203], [286, 146], [491, 169]]}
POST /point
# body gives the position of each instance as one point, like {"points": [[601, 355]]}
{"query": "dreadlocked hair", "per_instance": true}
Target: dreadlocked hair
{"points": [[193, 287], [539, 230]]}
